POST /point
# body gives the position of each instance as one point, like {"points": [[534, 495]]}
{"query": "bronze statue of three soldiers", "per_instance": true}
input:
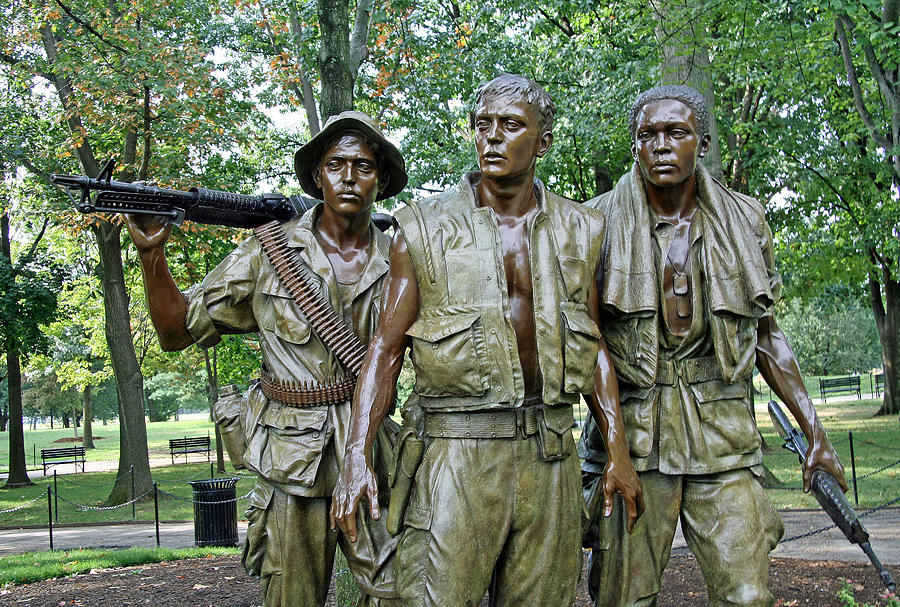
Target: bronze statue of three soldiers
{"points": [[653, 302]]}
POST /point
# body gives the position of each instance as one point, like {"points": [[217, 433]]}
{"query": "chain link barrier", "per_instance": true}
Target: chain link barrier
{"points": [[84, 508], [874, 444], [92, 485], [23, 506], [193, 501], [858, 478]]}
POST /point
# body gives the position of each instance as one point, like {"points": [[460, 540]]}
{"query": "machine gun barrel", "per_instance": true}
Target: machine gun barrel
{"points": [[103, 194], [828, 493]]}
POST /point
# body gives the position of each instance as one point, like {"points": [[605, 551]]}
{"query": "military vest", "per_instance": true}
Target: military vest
{"points": [[463, 342]]}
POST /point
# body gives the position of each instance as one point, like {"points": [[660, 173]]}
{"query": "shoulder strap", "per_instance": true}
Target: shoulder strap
{"points": [[295, 276]]}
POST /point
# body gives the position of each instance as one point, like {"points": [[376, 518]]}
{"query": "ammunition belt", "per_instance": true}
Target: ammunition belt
{"points": [[691, 370], [482, 424], [307, 393], [303, 287]]}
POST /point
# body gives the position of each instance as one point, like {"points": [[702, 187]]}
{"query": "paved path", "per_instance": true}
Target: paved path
{"points": [[883, 526]]}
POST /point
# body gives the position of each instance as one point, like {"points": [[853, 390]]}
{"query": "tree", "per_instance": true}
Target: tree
{"points": [[27, 299], [129, 83], [869, 37]]}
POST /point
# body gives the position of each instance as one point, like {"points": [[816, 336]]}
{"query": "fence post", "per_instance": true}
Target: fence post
{"points": [[50, 518], [55, 499], [156, 509], [853, 469], [212, 473], [34, 454], [132, 492]]}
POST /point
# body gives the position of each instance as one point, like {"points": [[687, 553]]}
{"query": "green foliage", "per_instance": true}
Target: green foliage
{"points": [[172, 391], [29, 567], [845, 594], [831, 334]]}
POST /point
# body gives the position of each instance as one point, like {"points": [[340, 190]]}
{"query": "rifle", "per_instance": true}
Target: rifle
{"points": [[212, 207], [828, 493]]}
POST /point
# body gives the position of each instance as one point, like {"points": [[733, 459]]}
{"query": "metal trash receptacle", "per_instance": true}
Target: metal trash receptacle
{"points": [[215, 512]]}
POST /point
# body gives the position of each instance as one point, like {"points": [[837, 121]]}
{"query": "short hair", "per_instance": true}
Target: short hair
{"points": [[336, 138], [689, 96], [520, 87]]}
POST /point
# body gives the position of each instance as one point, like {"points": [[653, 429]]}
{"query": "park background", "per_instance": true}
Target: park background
{"points": [[805, 99]]}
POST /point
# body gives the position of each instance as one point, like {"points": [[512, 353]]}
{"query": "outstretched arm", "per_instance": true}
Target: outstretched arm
{"points": [[375, 390], [619, 475], [166, 302], [778, 365]]}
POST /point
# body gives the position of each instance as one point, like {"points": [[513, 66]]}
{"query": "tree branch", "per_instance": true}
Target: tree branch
{"points": [[30, 255], [89, 28], [359, 37], [840, 23], [565, 27]]}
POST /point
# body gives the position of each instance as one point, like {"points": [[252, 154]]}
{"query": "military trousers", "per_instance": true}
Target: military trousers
{"points": [[729, 525], [290, 547], [485, 505]]}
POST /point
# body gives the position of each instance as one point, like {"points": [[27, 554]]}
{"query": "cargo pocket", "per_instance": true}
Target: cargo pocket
{"points": [[638, 408], [447, 352], [295, 441], [580, 349], [413, 557], [256, 543], [726, 417], [228, 412], [281, 315]]}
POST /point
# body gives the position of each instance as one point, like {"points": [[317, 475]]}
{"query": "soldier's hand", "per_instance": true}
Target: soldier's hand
{"points": [[148, 231], [620, 477], [355, 481], [821, 456]]}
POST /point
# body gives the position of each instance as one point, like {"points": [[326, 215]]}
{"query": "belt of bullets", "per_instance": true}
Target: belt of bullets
{"points": [[296, 277], [307, 393]]}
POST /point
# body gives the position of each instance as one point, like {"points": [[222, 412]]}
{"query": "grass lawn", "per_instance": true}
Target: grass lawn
{"points": [[875, 444], [91, 489], [35, 566], [106, 438]]}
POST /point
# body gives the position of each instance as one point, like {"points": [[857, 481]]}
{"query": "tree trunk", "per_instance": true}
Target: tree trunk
{"points": [[129, 382], [75, 421], [212, 374], [151, 408], [88, 441], [885, 299], [685, 60], [334, 58], [4, 417], [18, 470]]}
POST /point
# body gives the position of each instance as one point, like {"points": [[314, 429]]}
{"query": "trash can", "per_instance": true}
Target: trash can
{"points": [[215, 512]]}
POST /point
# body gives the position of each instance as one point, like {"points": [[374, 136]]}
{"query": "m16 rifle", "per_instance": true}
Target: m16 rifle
{"points": [[214, 207], [828, 493]]}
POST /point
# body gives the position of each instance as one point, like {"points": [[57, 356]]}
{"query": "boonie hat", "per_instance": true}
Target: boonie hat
{"points": [[391, 159]]}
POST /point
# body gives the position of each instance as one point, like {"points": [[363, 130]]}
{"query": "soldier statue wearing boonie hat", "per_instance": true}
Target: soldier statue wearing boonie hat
{"points": [[294, 426]]}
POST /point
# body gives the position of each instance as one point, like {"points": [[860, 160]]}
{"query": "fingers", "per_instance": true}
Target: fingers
{"points": [[631, 509], [372, 495], [609, 491]]}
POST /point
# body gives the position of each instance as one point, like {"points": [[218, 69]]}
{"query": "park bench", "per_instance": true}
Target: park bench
{"points": [[838, 385], [879, 384], [189, 444], [65, 455]]}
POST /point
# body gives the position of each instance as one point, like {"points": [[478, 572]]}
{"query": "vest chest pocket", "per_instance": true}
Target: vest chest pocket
{"points": [[579, 350], [281, 315], [447, 353]]}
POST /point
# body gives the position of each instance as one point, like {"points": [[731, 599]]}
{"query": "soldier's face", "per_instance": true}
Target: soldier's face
{"points": [[508, 137], [666, 144], [348, 176]]}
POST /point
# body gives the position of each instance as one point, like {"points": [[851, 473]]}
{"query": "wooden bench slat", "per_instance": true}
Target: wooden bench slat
{"points": [[63, 455], [189, 444]]}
